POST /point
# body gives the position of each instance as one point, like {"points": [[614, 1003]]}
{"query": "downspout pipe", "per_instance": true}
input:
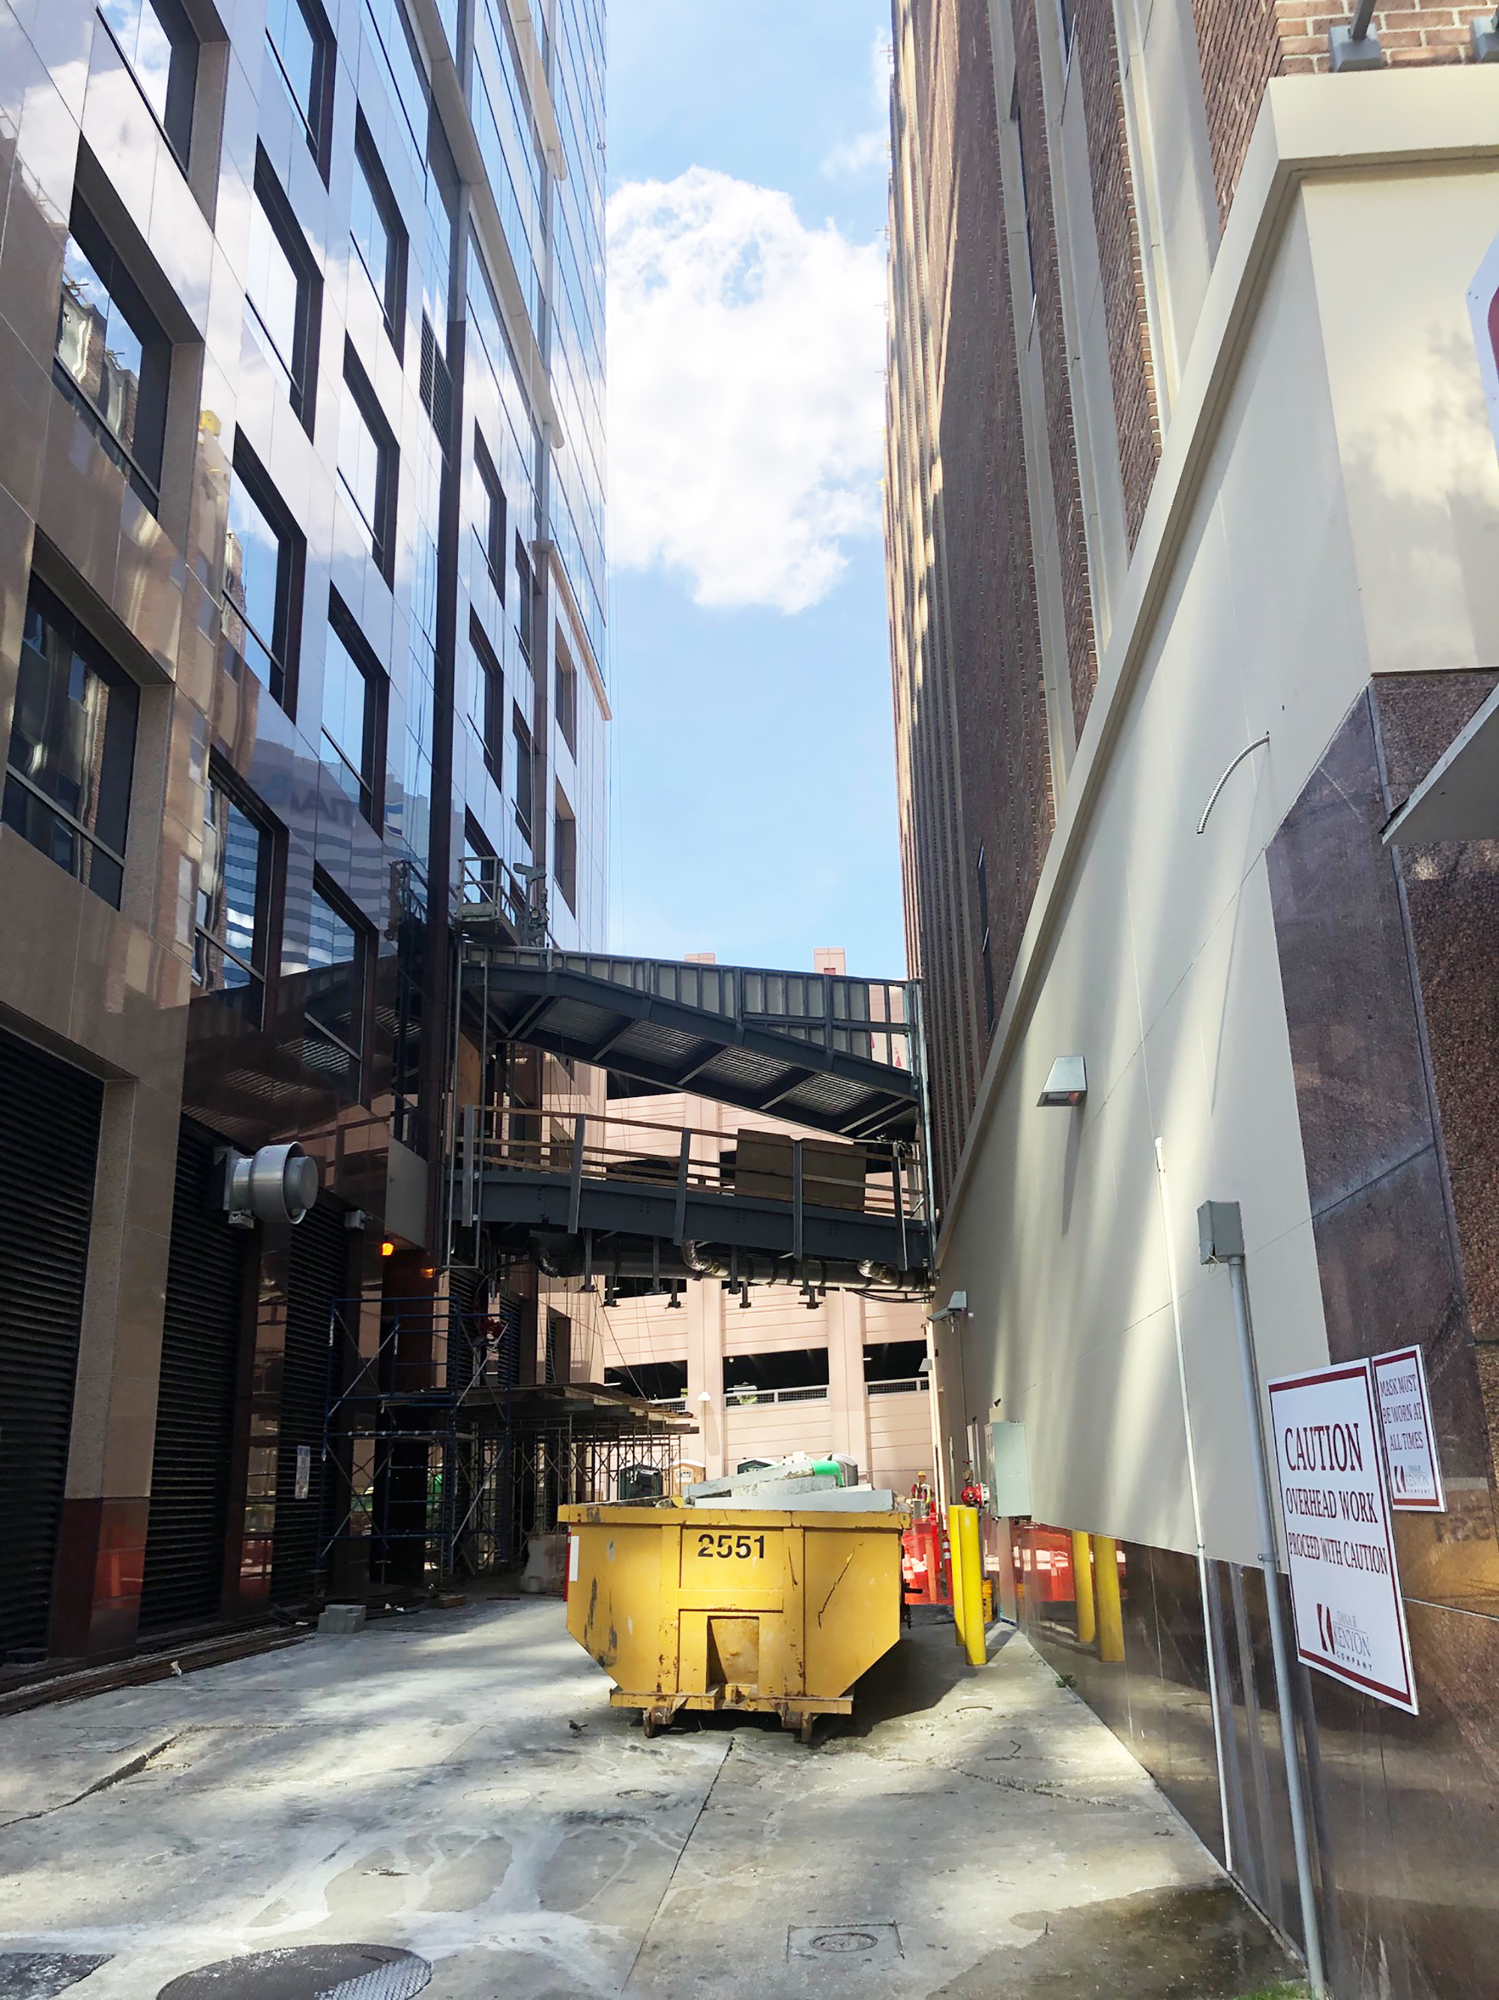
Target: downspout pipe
{"points": [[1220, 1233]]}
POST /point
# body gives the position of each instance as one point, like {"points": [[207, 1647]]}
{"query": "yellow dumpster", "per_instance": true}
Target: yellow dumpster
{"points": [[733, 1607]]}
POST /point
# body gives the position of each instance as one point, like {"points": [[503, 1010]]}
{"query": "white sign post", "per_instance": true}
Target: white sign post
{"points": [[1405, 1415], [1335, 1502]]}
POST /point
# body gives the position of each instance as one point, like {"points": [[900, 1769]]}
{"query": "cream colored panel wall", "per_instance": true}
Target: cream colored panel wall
{"points": [[642, 1330], [1394, 258], [775, 1430], [900, 1440], [1164, 974]]}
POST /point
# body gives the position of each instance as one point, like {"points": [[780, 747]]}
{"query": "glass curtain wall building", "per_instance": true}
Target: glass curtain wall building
{"points": [[302, 573]]}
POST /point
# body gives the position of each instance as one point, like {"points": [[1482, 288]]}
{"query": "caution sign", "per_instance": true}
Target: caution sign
{"points": [[1335, 1501], [1405, 1418]]}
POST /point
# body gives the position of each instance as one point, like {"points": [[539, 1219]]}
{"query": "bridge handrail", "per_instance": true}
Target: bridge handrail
{"points": [[820, 1172]]}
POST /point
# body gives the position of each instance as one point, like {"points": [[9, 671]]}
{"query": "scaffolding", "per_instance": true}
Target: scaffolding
{"points": [[439, 1463]]}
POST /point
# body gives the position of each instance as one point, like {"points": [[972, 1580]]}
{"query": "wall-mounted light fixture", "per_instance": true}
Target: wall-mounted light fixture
{"points": [[1067, 1082], [956, 1308]]}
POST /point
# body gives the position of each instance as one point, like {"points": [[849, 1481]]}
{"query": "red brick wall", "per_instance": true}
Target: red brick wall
{"points": [[1082, 660], [994, 628], [1243, 43], [1096, 60]]}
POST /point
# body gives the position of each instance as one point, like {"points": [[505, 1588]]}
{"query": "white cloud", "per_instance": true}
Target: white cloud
{"points": [[856, 156], [746, 390]]}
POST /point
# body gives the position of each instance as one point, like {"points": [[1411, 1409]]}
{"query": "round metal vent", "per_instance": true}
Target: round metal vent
{"points": [[307, 1972]]}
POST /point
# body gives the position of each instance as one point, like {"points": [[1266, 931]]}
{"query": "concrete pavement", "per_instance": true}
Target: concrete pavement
{"points": [[455, 1783]]}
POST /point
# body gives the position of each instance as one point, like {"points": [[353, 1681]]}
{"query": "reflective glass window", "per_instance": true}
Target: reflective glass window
{"points": [[111, 358], [481, 866], [296, 43], [258, 572], [279, 296], [367, 226], [158, 44], [335, 988], [72, 748], [522, 737], [347, 718], [365, 460], [229, 952]]}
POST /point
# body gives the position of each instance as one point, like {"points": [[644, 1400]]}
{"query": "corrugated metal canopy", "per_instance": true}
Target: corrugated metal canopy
{"points": [[819, 1050]]}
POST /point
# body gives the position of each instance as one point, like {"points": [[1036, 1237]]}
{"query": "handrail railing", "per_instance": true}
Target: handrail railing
{"points": [[746, 1399], [868, 1177], [908, 1385]]}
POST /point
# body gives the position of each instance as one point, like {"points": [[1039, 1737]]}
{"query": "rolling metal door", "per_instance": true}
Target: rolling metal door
{"points": [[200, 1347], [318, 1276], [49, 1142]]}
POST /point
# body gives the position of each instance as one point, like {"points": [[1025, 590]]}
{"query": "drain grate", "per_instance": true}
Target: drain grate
{"points": [[40, 1975], [845, 1943], [307, 1972]]}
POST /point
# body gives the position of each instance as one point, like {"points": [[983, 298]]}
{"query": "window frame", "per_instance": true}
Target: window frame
{"points": [[314, 118], [291, 568], [478, 849], [226, 781], [143, 469], [986, 959], [358, 388], [345, 627], [491, 724], [1025, 193], [525, 596], [300, 368], [83, 643], [325, 891], [525, 773], [175, 118], [566, 880], [565, 692], [383, 201], [492, 540]]}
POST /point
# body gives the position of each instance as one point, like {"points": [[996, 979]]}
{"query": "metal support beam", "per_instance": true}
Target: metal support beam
{"points": [[900, 1203], [470, 1209], [796, 1202], [575, 1199], [679, 1226]]}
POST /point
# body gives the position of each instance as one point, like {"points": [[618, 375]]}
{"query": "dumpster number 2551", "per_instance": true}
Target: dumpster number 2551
{"points": [[729, 1545]]}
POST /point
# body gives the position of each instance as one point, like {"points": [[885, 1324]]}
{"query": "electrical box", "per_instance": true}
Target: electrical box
{"points": [[1012, 1470]]}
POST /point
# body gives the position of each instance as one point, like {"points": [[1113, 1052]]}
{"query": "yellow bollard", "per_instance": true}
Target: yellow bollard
{"points": [[963, 1526], [955, 1565], [1082, 1588], [1110, 1613]]}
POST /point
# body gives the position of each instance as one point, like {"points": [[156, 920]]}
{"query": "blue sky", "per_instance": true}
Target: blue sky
{"points": [[753, 768]]}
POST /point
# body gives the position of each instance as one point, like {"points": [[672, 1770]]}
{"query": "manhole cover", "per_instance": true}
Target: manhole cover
{"points": [[849, 1942], [307, 1972], [38, 1975]]}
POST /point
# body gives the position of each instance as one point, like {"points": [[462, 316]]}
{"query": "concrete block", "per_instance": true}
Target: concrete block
{"points": [[342, 1618], [546, 1561]]}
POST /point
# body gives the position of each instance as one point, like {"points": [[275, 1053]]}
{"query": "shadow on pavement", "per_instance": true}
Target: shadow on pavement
{"points": [[914, 1675]]}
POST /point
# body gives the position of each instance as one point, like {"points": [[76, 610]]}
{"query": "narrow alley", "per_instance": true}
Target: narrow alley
{"points": [[454, 1785]]}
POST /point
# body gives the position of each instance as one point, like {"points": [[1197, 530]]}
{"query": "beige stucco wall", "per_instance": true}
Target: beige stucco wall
{"points": [[1333, 503]]}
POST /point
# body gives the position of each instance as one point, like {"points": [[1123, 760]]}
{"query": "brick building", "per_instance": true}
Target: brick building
{"points": [[1189, 478]]}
